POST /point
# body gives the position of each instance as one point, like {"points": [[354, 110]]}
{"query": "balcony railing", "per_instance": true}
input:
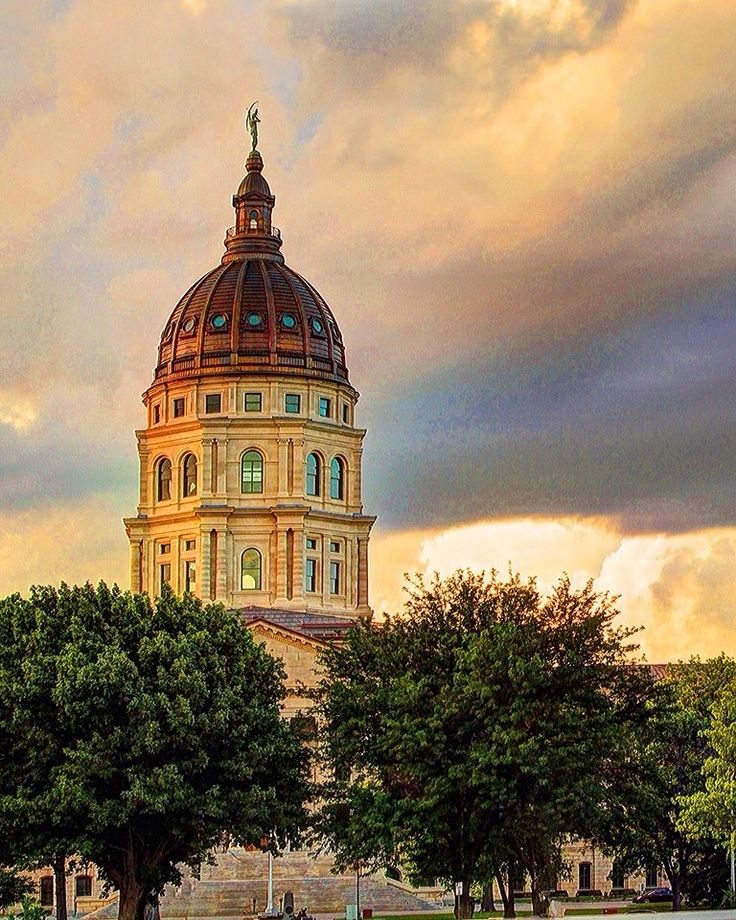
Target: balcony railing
{"points": [[274, 231]]}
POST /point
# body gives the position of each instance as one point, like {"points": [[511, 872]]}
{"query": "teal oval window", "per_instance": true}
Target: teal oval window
{"points": [[254, 319], [219, 320], [317, 326], [288, 321]]}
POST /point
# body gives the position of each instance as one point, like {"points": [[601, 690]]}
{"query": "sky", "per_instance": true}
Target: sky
{"points": [[521, 212]]}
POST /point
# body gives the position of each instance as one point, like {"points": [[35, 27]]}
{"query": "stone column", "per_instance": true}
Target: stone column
{"points": [[206, 468], [203, 566], [362, 572], [221, 589], [136, 565], [281, 565]]}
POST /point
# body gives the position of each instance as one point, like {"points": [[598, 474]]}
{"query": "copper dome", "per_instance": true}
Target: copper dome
{"points": [[252, 313]]}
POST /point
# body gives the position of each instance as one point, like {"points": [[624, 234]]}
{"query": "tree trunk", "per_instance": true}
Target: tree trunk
{"points": [[504, 896], [507, 895], [133, 900], [539, 907], [487, 903], [60, 886], [676, 893], [463, 905]]}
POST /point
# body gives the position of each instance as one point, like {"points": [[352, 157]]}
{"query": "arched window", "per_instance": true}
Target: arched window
{"points": [[337, 478], [584, 876], [83, 886], [253, 218], [251, 472], [189, 477], [250, 570], [47, 891], [314, 474], [163, 480]]}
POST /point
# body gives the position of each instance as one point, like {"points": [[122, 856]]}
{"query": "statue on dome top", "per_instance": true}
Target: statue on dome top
{"points": [[251, 124]]}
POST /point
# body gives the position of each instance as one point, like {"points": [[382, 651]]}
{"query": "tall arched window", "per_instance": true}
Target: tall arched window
{"points": [[337, 478], [314, 474], [189, 476], [250, 570], [251, 472], [253, 220], [163, 480]]}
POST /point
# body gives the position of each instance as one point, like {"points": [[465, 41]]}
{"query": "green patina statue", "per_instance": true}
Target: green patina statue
{"points": [[251, 124]]}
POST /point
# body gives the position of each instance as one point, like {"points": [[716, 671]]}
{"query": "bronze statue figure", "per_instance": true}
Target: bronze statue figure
{"points": [[251, 124]]}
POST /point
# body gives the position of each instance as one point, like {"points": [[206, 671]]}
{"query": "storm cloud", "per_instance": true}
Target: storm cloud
{"points": [[522, 213]]}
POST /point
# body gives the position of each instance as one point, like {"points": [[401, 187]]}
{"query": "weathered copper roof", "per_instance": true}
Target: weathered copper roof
{"points": [[252, 313], [316, 626]]}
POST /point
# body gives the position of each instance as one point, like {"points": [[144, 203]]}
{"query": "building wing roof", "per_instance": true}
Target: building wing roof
{"points": [[319, 627]]}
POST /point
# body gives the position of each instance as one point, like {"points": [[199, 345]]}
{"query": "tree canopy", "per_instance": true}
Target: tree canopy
{"points": [[645, 827], [484, 720], [709, 813], [148, 733]]}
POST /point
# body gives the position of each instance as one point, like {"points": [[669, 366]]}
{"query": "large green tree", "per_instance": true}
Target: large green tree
{"points": [[709, 814], [150, 733], [644, 826], [484, 720]]}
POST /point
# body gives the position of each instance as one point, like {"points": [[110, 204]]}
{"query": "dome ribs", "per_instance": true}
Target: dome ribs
{"points": [[197, 294], [271, 313], [253, 340], [205, 302], [286, 301], [237, 305]]}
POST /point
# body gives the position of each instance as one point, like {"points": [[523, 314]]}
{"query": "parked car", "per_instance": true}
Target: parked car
{"points": [[650, 895]]}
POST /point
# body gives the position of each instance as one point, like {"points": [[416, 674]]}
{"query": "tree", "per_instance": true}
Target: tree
{"points": [[709, 813], [646, 828], [153, 732], [13, 886], [478, 724]]}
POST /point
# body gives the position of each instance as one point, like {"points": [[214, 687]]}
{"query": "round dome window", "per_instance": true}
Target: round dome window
{"points": [[317, 326], [288, 321], [219, 320], [254, 319], [189, 324]]}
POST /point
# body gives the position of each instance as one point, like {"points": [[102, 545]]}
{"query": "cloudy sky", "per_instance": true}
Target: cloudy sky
{"points": [[522, 212]]}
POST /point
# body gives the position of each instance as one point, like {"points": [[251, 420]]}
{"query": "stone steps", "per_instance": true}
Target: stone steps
{"points": [[227, 888]]}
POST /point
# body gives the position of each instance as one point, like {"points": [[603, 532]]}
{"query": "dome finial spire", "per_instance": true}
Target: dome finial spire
{"points": [[251, 124]]}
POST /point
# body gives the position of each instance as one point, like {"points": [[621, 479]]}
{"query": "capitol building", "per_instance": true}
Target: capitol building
{"points": [[250, 495]]}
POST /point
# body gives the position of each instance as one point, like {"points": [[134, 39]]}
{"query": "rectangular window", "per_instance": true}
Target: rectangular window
{"points": [[334, 546], [83, 886], [325, 407], [335, 585], [346, 413], [212, 403], [164, 548], [310, 576], [178, 406], [190, 575], [190, 545], [156, 414], [311, 543], [165, 573], [253, 402], [293, 402]]}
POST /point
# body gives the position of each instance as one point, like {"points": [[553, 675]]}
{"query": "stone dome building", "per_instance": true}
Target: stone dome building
{"points": [[250, 461]]}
